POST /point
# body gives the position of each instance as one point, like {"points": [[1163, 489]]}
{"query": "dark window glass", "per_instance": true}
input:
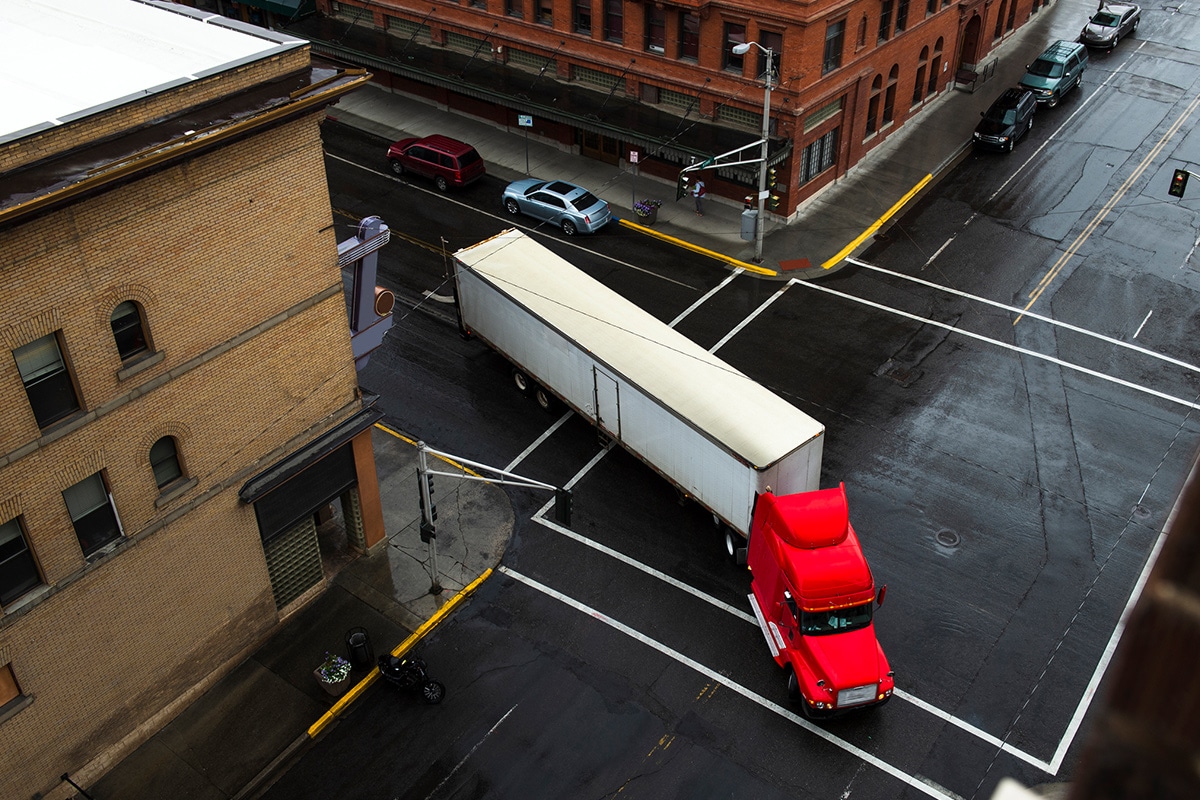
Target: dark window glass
{"points": [[873, 105], [92, 514], [901, 15], [514, 8], [585, 201], [47, 382], [774, 43], [614, 20], [889, 97], [656, 28], [689, 36], [164, 460], [18, 570], [127, 330], [885, 19], [819, 156], [734, 34], [835, 35], [545, 12], [583, 16]]}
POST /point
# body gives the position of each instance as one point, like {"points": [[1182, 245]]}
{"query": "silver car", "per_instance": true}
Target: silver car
{"points": [[570, 207], [1110, 24]]}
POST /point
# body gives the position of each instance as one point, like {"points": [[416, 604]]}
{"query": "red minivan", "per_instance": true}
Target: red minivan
{"points": [[448, 161]]}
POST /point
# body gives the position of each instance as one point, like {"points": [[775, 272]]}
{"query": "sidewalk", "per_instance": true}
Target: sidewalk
{"points": [[238, 734], [829, 226], [241, 732]]}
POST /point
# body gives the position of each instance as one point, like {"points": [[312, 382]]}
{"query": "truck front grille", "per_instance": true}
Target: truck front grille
{"points": [[855, 696]]}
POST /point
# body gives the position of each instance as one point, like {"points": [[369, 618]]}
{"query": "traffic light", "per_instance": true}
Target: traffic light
{"points": [[428, 533], [1178, 183], [562, 506], [773, 202], [421, 499], [681, 188], [771, 178]]}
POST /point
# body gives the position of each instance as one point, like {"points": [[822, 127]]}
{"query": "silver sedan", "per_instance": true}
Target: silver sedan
{"points": [[570, 207]]}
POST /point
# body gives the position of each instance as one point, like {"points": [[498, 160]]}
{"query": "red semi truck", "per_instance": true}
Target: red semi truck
{"points": [[814, 596], [718, 436]]}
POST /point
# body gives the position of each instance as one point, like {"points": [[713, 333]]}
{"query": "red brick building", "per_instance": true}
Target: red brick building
{"points": [[610, 76]]}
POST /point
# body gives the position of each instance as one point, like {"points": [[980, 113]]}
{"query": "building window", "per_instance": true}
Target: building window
{"points": [[919, 85], [18, 570], [774, 43], [862, 33], [901, 15], [873, 105], [734, 34], [583, 16], [514, 8], [889, 97], [1012, 15], [835, 34], [819, 156], [656, 28], [999, 21], [545, 12], [931, 7], [614, 20], [47, 381], [9, 690], [689, 36], [164, 460], [935, 66], [129, 331], [92, 513], [885, 20]]}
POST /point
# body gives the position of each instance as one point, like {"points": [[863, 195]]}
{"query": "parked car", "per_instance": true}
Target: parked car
{"points": [[1056, 71], [1111, 24], [566, 205], [447, 161], [1007, 120]]}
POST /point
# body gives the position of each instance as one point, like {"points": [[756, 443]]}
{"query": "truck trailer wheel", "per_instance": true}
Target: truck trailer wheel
{"points": [[521, 380], [544, 399]]}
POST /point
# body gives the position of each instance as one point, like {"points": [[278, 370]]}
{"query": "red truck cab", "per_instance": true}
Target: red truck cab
{"points": [[814, 597]]}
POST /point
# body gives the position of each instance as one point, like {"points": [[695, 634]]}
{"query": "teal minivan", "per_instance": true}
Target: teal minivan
{"points": [[1056, 72]]}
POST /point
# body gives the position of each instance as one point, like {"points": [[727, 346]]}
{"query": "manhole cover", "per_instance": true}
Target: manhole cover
{"points": [[947, 538]]}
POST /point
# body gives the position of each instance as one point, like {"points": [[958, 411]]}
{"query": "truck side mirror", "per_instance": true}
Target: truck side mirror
{"points": [[882, 594]]}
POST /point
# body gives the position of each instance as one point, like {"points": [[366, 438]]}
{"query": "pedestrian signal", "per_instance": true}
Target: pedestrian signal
{"points": [[1178, 183]]}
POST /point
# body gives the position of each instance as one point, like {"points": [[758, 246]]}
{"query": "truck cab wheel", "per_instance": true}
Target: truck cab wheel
{"points": [[793, 687], [521, 380], [735, 549]]}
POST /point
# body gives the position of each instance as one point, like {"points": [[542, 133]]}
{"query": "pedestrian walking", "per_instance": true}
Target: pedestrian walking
{"points": [[698, 192]]}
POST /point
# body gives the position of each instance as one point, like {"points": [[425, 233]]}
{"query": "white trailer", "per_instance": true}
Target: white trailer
{"points": [[714, 433]]}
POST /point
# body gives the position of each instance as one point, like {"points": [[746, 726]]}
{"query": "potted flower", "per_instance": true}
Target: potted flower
{"points": [[647, 211], [333, 674]]}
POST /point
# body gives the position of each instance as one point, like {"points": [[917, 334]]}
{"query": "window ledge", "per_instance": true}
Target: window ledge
{"points": [[29, 597], [142, 364], [15, 706], [175, 490]]}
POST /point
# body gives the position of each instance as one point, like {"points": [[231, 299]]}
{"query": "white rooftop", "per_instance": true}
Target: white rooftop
{"points": [[62, 59]]}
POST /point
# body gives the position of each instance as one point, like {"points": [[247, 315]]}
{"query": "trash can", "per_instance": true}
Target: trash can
{"points": [[358, 643]]}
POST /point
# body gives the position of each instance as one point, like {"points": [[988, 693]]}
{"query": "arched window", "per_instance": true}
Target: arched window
{"points": [[935, 66], [919, 85], [889, 97], [129, 330], [164, 460], [873, 105]]}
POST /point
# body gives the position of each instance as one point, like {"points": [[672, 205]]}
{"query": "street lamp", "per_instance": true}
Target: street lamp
{"points": [[741, 50]]}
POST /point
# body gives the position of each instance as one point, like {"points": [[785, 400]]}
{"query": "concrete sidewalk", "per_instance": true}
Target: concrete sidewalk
{"points": [[235, 738]]}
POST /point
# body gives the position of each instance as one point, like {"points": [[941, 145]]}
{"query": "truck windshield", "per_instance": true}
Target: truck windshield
{"points": [[819, 623]]}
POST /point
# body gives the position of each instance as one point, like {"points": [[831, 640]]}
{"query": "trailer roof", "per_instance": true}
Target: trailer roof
{"points": [[749, 419]]}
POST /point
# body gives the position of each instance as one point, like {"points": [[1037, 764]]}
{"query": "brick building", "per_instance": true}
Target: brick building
{"points": [[178, 400], [610, 76]]}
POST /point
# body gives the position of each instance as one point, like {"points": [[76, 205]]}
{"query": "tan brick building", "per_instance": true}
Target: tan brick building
{"points": [[607, 77], [177, 393]]}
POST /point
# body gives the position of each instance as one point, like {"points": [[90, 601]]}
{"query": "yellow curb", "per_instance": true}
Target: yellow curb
{"points": [[355, 691], [443, 459], [845, 251], [698, 249]]}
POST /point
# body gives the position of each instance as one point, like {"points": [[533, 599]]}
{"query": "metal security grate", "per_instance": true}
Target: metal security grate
{"points": [[294, 562], [676, 99], [596, 77], [466, 43], [352, 519], [406, 28]]}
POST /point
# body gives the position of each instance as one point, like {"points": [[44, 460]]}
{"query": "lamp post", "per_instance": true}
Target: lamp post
{"points": [[741, 50]]}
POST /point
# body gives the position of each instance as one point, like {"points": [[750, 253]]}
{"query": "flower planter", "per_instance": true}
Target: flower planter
{"points": [[334, 688], [648, 218]]}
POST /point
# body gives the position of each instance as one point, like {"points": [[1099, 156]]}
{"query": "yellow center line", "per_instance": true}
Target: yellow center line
{"points": [[1046, 280]]}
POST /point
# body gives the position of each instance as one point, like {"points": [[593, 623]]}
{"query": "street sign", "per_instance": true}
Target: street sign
{"points": [[633, 156], [525, 120]]}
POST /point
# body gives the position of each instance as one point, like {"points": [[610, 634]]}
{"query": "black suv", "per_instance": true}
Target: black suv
{"points": [[1009, 118]]}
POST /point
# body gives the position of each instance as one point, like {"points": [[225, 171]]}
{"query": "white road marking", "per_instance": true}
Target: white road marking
{"points": [[1022, 350], [911, 780], [704, 299], [1031, 314], [1144, 321], [471, 753], [750, 318]]}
